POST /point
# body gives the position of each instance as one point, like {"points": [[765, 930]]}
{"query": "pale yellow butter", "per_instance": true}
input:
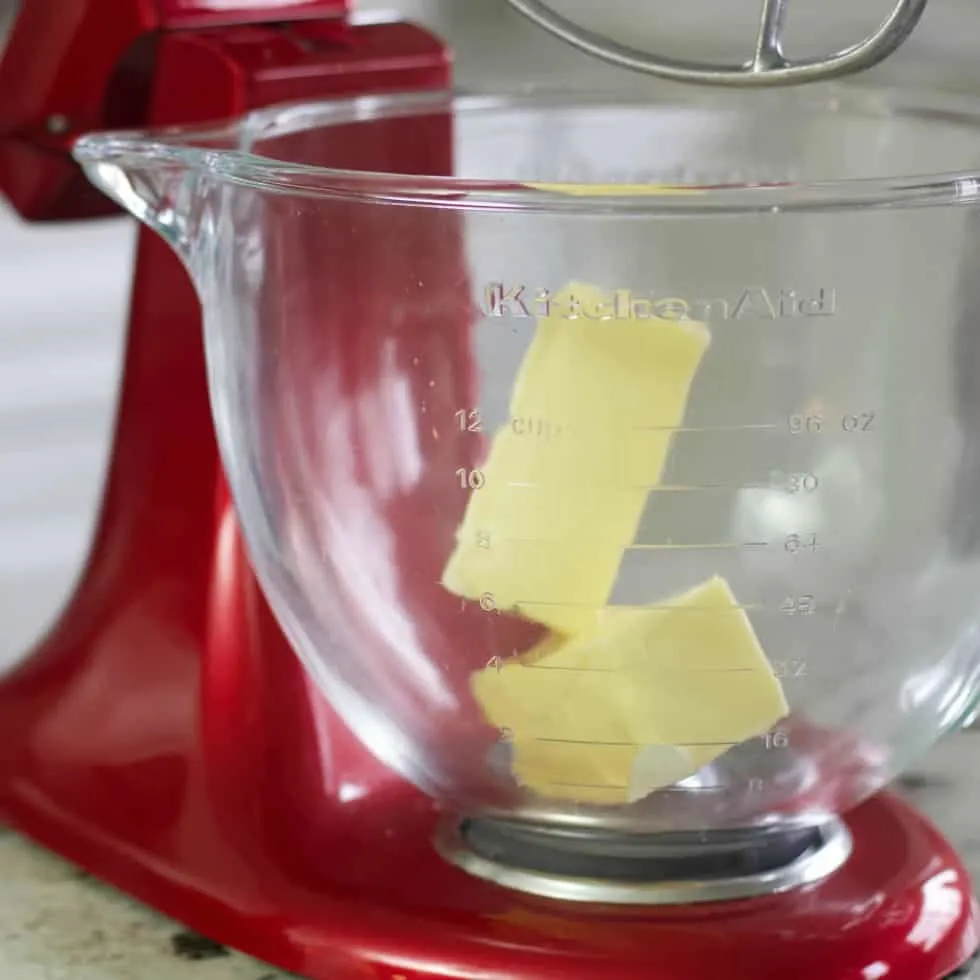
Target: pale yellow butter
{"points": [[650, 699], [566, 481]]}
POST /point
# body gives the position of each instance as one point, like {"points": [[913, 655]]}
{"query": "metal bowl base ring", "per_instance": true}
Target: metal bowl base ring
{"points": [[655, 870]]}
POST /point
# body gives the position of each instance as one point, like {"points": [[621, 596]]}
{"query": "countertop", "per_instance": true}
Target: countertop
{"points": [[62, 304]]}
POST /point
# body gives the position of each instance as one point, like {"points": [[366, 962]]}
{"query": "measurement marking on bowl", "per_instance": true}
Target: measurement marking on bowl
{"points": [[694, 789], [652, 487], [614, 670], [794, 605], [712, 546], [621, 789], [648, 607], [665, 546], [758, 427], [607, 786], [559, 484], [634, 745], [700, 487]]}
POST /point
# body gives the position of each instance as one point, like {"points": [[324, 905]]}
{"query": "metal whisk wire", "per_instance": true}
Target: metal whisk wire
{"points": [[768, 66]]}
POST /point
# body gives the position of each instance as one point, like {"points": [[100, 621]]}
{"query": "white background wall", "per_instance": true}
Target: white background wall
{"points": [[63, 290]]}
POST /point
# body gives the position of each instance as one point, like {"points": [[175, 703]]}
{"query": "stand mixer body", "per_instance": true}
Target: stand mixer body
{"points": [[165, 737]]}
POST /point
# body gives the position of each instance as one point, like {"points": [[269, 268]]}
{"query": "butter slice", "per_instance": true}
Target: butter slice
{"points": [[646, 701], [567, 479]]}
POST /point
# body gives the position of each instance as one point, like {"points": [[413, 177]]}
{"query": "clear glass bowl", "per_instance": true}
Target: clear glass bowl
{"points": [[706, 429]]}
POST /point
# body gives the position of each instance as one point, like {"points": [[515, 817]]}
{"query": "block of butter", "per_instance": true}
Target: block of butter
{"points": [[648, 699], [566, 481]]}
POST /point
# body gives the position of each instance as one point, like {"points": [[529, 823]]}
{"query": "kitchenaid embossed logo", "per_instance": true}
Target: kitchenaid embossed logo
{"points": [[506, 299]]}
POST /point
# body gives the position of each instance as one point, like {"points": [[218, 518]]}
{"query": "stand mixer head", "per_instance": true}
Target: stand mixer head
{"points": [[570, 442]]}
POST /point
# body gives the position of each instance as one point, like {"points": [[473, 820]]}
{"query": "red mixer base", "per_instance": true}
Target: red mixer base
{"points": [[901, 908]]}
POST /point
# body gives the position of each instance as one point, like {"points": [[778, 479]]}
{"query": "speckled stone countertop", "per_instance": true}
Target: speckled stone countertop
{"points": [[57, 923]]}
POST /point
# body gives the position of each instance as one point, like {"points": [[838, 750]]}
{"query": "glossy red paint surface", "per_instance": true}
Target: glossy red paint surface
{"points": [[74, 66], [166, 738]]}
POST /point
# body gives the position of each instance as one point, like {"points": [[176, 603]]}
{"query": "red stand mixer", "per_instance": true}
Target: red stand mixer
{"points": [[166, 737]]}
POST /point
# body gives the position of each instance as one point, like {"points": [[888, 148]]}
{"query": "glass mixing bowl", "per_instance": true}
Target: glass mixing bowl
{"points": [[608, 461]]}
